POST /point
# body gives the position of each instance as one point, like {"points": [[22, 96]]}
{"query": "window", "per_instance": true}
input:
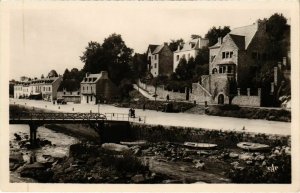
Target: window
{"points": [[229, 69], [220, 70], [155, 65], [91, 98], [227, 55], [155, 56], [91, 88], [177, 57], [64, 93], [87, 88], [82, 87], [214, 71]]}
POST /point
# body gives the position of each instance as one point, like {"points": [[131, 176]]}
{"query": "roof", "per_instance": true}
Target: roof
{"points": [[93, 78], [190, 45], [44, 80], [158, 49], [247, 31], [238, 40], [152, 47], [69, 85]]}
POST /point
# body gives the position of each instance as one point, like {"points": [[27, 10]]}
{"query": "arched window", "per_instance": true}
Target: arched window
{"points": [[214, 71]]}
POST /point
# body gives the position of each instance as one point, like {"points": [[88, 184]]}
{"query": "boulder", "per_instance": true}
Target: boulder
{"points": [[233, 155], [115, 147], [245, 156], [139, 178]]}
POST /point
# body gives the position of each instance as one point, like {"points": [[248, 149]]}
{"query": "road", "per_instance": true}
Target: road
{"points": [[173, 119]]}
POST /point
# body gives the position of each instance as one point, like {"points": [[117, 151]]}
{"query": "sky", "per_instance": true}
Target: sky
{"points": [[42, 39]]}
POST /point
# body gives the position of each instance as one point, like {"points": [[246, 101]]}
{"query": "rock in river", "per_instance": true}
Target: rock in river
{"points": [[115, 147]]}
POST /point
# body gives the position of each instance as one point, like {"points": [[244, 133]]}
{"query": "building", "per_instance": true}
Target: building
{"points": [[45, 88], [234, 61], [96, 88], [69, 90], [188, 50], [160, 60]]}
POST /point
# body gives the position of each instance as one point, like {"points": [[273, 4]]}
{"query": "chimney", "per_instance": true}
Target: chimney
{"points": [[165, 43], [272, 87], [104, 75], [219, 40], [248, 91], [279, 65], [87, 74], [238, 91]]}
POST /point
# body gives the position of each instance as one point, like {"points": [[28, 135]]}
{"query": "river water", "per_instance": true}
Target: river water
{"points": [[59, 148]]}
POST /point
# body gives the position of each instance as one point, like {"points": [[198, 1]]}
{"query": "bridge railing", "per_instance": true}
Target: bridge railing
{"points": [[125, 117], [57, 116]]}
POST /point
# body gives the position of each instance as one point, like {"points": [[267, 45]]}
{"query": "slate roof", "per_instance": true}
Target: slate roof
{"points": [[238, 40], [91, 78], [158, 49], [190, 45], [152, 47], [247, 31]]}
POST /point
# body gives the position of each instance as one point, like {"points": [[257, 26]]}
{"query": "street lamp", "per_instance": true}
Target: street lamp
{"points": [[98, 106]]}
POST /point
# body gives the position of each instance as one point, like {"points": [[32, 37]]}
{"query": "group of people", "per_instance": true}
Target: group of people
{"points": [[132, 112]]}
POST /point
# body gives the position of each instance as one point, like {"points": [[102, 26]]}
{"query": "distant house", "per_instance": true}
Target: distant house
{"points": [[97, 87], [69, 90], [46, 88], [188, 50], [160, 60]]}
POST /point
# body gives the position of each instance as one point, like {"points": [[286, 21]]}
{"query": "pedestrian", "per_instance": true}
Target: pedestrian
{"points": [[168, 97], [144, 107], [133, 113]]}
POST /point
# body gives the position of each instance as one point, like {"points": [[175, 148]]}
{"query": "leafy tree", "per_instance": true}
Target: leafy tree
{"points": [[113, 55], [66, 75], [182, 69], [202, 56], [214, 33], [173, 45], [276, 26], [52, 73], [139, 65]]}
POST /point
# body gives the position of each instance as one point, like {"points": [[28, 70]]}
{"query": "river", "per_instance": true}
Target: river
{"points": [[59, 148]]}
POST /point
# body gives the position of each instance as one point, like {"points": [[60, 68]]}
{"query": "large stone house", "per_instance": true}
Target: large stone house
{"points": [[233, 60], [160, 60], [46, 87], [188, 50], [96, 88]]}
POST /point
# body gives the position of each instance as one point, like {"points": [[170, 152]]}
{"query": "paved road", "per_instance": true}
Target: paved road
{"points": [[174, 119]]}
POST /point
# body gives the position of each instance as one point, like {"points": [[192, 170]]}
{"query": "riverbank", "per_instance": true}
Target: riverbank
{"points": [[170, 119], [161, 162]]}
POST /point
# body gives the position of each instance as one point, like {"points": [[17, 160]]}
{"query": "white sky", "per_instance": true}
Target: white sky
{"points": [[45, 39]]}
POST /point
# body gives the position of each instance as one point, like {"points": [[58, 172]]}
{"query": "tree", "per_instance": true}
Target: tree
{"points": [[202, 56], [276, 26], [214, 33], [139, 65], [173, 45], [92, 58], [113, 55], [52, 73], [182, 69], [66, 75]]}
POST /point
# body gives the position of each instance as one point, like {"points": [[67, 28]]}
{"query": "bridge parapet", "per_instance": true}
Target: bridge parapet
{"points": [[57, 116], [125, 117]]}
